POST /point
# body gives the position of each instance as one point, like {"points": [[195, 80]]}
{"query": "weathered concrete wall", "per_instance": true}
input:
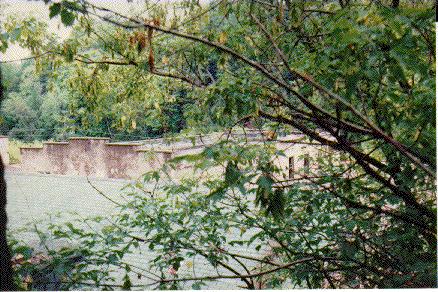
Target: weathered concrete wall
{"points": [[121, 161], [55, 157], [4, 144], [94, 157], [32, 159], [97, 157], [86, 156], [295, 155]]}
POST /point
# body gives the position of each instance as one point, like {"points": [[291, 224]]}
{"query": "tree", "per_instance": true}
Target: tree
{"points": [[45, 101], [350, 76], [30, 111], [6, 276]]}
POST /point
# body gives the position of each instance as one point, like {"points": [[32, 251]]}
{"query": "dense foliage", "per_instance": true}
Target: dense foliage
{"points": [[41, 105], [30, 111], [357, 78]]}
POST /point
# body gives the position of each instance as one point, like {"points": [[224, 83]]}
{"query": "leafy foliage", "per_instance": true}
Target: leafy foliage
{"points": [[30, 112], [357, 79]]}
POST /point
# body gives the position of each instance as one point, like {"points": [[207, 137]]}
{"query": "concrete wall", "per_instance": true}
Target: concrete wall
{"points": [[298, 153], [94, 157], [32, 159], [4, 144], [97, 157]]}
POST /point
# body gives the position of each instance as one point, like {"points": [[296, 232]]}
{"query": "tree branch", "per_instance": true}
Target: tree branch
{"points": [[282, 267], [307, 78]]}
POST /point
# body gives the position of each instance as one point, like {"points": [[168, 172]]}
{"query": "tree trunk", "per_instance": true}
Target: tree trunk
{"points": [[6, 279]]}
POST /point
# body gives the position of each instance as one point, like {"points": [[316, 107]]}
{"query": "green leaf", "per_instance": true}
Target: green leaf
{"points": [[217, 194], [232, 173], [4, 42], [277, 204], [15, 34], [112, 258], [26, 251], [69, 53], [67, 17], [127, 284], [72, 5], [265, 182], [55, 9], [197, 285], [144, 66]]}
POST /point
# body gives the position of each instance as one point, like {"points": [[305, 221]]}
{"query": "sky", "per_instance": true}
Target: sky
{"points": [[38, 9], [27, 8]]}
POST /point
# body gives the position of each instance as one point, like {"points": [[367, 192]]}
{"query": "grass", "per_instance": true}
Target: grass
{"points": [[14, 149]]}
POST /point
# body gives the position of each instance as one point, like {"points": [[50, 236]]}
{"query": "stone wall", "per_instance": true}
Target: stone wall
{"points": [[4, 144]]}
